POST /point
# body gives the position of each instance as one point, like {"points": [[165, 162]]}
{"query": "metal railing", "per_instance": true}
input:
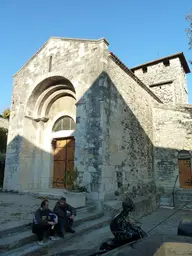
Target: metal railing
{"points": [[173, 191]]}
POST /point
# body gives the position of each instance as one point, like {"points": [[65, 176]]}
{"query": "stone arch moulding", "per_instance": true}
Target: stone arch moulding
{"points": [[49, 101], [66, 74], [47, 93], [43, 92]]}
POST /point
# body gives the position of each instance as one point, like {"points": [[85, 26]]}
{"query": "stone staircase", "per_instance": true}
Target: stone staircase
{"points": [[17, 239], [182, 199]]}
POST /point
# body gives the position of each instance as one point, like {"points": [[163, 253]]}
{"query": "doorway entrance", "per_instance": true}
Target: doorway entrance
{"points": [[63, 172], [185, 174]]}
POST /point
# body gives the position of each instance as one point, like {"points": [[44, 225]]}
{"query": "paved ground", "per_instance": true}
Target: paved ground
{"points": [[88, 241], [15, 207], [169, 226], [92, 240], [156, 245]]}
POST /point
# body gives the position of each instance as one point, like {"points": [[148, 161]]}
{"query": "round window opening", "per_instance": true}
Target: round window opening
{"points": [[64, 123]]}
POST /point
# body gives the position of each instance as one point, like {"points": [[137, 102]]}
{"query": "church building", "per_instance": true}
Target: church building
{"points": [[79, 115]]}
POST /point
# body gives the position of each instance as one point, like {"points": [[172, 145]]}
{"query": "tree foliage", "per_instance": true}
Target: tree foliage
{"points": [[6, 113], [189, 30]]}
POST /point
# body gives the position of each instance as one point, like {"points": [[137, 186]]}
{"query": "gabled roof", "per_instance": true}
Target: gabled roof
{"points": [[179, 55], [60, 38]]}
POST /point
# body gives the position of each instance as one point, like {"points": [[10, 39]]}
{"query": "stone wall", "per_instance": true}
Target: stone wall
{"points": [[172, 133], [174, 87], [79, 62], [128, 136]]}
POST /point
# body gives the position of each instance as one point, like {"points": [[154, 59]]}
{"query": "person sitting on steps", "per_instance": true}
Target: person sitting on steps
{"points": [[44, 220], [65, 219]]}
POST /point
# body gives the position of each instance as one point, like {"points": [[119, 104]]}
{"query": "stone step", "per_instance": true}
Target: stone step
{"points": [[18, 226], [20, 238], [184, 204], [92, 240], [179, 200], [183, 197], [88, 208], [13, 227], [166, 201], [176, 196], [34, 249]]}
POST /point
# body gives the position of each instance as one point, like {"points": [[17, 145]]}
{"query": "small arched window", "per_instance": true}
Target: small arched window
{"points": [[64, 123], [184, 154]]}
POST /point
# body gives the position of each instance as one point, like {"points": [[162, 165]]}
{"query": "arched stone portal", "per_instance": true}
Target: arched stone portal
{"points": [[51, 100]]}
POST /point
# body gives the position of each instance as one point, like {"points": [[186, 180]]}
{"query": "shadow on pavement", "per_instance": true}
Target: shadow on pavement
{"points": [[157, 245]]}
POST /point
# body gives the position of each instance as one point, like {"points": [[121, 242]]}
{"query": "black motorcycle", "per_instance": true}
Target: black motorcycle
{"points": [[123, 230]]}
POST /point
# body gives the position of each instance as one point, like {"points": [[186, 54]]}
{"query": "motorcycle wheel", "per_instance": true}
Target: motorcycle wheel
{"points": [[141, 232], [105, 247]]}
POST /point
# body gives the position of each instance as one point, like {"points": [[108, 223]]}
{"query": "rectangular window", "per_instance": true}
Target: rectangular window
{"points": [[144, 69], [50, 63], [166, 63]]}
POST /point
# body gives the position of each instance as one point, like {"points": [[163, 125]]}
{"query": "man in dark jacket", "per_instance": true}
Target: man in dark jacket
{"points": [[65, 219], [44, 220]]}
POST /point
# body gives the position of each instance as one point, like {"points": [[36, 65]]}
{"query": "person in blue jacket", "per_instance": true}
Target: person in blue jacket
{"points": [[44, 221]]}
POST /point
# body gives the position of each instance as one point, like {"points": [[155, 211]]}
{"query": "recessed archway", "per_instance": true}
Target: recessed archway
{"points": [[51, 101], [44, 93]]}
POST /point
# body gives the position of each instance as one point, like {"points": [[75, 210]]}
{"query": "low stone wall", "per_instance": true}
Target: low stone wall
{"points": [[143, 206]]}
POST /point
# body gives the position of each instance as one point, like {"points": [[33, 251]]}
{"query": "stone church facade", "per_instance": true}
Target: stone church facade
{"points": [[76, 106]]}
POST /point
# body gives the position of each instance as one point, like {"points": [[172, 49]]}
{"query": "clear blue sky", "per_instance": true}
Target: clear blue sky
{"points": [[138, 31]]}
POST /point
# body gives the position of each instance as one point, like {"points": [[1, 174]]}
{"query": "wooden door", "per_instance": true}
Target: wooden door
{"points": [[70, 163], [63, 162], [185, 176]]}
